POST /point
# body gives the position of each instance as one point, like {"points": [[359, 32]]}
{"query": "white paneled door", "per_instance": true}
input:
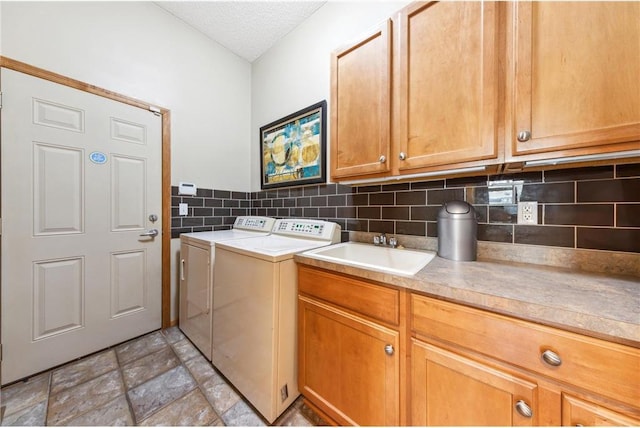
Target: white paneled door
{"points": [[81, 192]]}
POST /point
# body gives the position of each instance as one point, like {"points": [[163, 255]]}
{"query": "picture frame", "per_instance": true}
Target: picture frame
{"points": [[293, 149]]}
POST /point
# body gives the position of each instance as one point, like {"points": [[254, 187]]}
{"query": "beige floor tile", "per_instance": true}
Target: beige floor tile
{"points": [[29, 416], [77, 400], [221, 396], [25, 394], [83, 370], [185, 350], [200, 368], [173, 334], [145, 368], [140, 347], [242, 415], [113, 413], [190, 410]]}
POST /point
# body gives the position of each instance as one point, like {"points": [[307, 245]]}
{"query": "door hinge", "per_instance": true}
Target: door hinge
{"points": [[284, 392], [155, 110], [0, 351], [0, 99], [0, 226]]}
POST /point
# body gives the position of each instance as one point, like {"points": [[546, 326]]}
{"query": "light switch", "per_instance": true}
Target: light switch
{"points": [[183, 209]]}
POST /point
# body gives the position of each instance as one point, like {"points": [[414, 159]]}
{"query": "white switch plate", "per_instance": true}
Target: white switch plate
{"points": [[183, 209], [528, 212]]}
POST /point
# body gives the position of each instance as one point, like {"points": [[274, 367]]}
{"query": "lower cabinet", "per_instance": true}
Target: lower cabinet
{"points": [[448, 388], [579, 412]]}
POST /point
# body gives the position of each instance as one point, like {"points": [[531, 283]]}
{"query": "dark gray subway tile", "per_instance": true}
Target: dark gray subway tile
{"points": [[337, 200], [295, 212], [627, 170], [175, 233], [578, 174], [222, 194], [432, 229], [204, 193], [579, 214], [289, 202], [266, 203], [296, 192], [355, 225], [438, 197], [277, 203], [202, 212], [283, 193], [548, 193], [272, 194], [395, 213], [228, 221], [310, 191], [235, 212], [343, 188], [495, 233], [328, 189], [221, 212], [327, 212], [231, 203], [213, 202], [415, 228], [361, 199], [192, 221], [238, 195], [319, 201], [175, 212], [621, 190], [481, 213], [303, 202], [213, 221], [478, 195], [310, 212], [193, 202], [435, 184], [245, 203], [346, 212], [369, 212], [174, 190], [176, 222], [552, 236], [413, 197], [504, 214], [466, 181], [272, 212], [283, 212], [381, 226], [175, 200], [383, 198], [395, 187], [627, 240], [427, 213], [368, 189], [203, 229], [628, 215]]}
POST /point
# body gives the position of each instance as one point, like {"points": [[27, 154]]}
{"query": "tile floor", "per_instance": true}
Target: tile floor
{"points": [[159, 379]]}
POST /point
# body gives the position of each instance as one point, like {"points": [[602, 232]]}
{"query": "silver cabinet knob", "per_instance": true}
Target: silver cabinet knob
{"points": [[524, 136], [388, 349], [524, 409], [551, 358], [382, 159], [402, 156]]}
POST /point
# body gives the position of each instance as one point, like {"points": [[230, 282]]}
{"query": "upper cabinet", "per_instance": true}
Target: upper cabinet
{"points": [[574, 79], [361, 105], [453, 86], [448, 92]]}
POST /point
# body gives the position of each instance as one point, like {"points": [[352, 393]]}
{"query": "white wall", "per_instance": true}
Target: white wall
{"points": [[296, 72], [140, 50]]}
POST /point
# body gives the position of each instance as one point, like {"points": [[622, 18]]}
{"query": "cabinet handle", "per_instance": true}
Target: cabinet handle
{"points": [[402, 156], [388, 349], [382, 159], [524, 136], [182, 269], [551, 358], [524, 409]]}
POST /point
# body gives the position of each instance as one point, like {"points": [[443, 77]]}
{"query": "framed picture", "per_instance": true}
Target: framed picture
{"points": [[294, 148]]}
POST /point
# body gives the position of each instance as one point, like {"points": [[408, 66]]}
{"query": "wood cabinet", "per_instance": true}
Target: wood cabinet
{"points": [[573, 79], [451, 389], [196, 276], [448, 94], [361, 105], [562, 377], [349, 360]]}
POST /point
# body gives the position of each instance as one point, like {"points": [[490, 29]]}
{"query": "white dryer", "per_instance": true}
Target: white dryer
{"points": [[197, 256], [254, 312]]}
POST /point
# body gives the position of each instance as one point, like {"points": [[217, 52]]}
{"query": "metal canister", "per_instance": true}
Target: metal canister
{"points": [[457, 231]]}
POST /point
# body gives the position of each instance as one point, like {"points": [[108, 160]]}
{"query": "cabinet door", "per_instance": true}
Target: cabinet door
{"points": [[348, 366], [195, 296], [577, 76], [448, 96], [449, 389], [361, 106], [578, 412]]}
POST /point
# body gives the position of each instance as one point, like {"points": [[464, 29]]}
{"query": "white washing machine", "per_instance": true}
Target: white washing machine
{"points": [[197, 256], [254, 312]]}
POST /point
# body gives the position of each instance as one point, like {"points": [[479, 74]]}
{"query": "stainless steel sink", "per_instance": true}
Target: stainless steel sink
{"points": [[383, 259]]}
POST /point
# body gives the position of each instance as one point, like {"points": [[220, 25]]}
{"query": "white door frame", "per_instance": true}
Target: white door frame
{"points": [[166, 161]]}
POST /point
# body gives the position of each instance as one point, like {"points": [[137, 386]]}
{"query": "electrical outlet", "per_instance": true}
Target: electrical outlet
{"points": [[527, 213]]}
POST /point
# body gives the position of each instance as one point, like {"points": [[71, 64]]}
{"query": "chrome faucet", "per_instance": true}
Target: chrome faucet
{"points": [[382, 240]]}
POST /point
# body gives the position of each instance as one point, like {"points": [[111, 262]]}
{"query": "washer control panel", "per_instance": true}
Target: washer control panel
{"points": [[305, 228], [263, 224]]}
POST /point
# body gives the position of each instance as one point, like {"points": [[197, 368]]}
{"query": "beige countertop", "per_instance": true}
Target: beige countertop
{"points": [[596, 304]]}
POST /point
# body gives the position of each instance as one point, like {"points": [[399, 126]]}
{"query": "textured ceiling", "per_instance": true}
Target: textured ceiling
{"points": [[247, 28]]}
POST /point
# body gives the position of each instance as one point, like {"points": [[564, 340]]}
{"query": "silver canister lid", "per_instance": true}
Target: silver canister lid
{"points": [[457, 210]]}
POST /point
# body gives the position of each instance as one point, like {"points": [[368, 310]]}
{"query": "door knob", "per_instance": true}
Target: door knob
{"points": [[151, 232]]}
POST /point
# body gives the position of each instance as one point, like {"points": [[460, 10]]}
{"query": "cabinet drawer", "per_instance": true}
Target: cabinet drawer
{"points": [[375, 301], [609, 368]]}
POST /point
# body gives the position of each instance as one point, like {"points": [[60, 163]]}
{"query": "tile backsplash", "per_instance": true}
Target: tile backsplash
{"points": [[589, 208]]}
